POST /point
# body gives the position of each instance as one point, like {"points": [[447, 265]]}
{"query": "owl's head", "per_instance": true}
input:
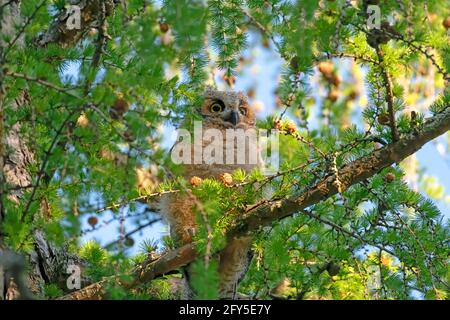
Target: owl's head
{"points": [[227, 109]]}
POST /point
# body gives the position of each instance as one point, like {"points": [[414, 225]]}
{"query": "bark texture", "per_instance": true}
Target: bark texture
{"points": [[61, 32], [45, 263]]}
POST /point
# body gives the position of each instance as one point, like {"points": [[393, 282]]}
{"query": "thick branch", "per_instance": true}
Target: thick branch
{"points": [[168, 262], [349, 174], [150, 270]]}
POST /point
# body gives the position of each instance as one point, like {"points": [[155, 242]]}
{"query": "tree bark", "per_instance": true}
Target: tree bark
{"points": [[61, 34]]}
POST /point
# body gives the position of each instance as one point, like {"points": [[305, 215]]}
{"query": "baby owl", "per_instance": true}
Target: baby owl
{"points": [[221, 111]]}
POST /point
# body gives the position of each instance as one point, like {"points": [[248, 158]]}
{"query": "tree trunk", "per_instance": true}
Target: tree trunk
{"points": [[46, 263]]}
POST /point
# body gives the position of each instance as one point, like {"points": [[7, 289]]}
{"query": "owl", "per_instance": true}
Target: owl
{"points": [[220, 111]]}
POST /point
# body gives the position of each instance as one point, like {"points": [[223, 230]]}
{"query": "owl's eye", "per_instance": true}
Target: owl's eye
{"points": [[216, 107], [243, 111]]}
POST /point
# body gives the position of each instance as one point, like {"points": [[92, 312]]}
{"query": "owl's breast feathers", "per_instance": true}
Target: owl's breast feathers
{"points": [[177, 208], [215, 159], [238, 149]]}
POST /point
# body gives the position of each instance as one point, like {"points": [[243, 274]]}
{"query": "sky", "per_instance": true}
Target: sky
{"points": [[263, 75]]}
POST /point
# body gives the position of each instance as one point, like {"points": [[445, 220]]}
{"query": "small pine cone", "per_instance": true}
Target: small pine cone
{"points": [[333, 95], [163, 27], [333, 268], [119, 107], [82, 121], [251, 93], [389, 177], [291, 127], [196, 181], [353, 94], [336, 80], [383, 119], [278, 102], [129, 242], [258, 106], [326, 68], [92, 221], [152, 256], [375, 37], [128, 136], [277, 124], [446, 23], [226, 179]]}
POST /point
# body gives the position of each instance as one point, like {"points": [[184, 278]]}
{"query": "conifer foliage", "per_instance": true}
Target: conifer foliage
{"points": [[352, 212]]}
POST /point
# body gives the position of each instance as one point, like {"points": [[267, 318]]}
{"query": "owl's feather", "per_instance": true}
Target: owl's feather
{"points": [[220, 111]]}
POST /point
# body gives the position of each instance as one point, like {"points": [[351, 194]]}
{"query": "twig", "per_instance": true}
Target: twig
{"points": [[389, 95], [41, 171], [145, 272], [140, 198], [147, 197], [424, 51], [105, 223], [411, 44], [347, 232], [43, 82], [348, 55], [347, 5], [350, 174], [130, 233], [102, 35], [263, 30]]}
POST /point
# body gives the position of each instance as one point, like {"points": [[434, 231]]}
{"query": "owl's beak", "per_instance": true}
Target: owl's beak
{"points": [[234, 117]]}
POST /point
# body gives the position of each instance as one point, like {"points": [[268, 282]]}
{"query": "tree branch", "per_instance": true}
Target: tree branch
{"points": [[350, 174], [148, 271], [43, 83]]}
